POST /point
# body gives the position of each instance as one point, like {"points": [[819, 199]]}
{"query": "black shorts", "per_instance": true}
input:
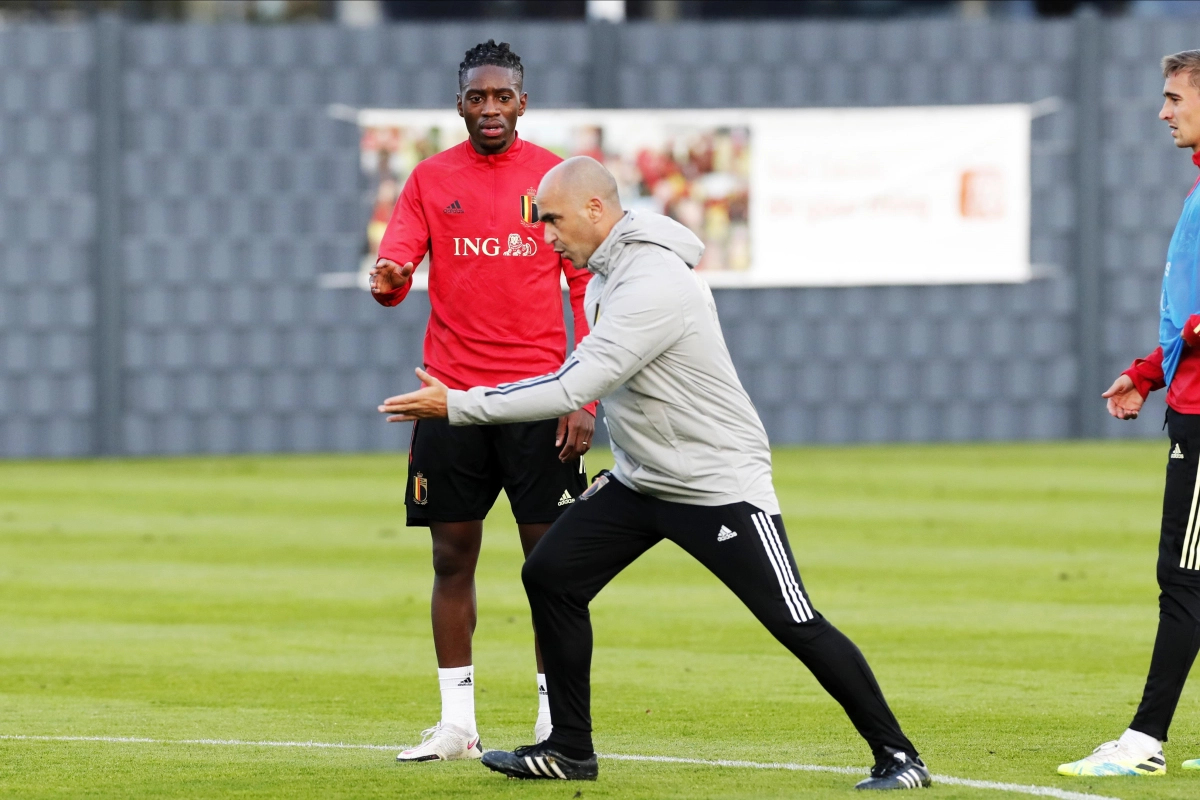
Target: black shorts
{"points": [[456, 473]]}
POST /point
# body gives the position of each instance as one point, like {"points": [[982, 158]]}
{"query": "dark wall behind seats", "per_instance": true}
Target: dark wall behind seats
{"points": [[169, 196]]}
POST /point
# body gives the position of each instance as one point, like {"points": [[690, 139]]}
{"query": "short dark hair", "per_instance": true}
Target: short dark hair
{"points": [[490, 54]]}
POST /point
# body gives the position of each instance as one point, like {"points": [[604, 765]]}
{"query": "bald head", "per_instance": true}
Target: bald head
{"points": [[579, 203], [579, 179]]}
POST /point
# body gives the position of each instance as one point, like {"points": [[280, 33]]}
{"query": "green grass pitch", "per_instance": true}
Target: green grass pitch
{"points": [[1004, 595]]}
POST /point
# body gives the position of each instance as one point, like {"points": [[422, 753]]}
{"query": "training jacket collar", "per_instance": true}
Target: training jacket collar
{"points": [[507, 157]]}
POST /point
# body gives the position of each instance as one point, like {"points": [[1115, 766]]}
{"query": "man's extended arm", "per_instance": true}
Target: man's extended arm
{"points": [[405, 243], [641, 321], [1145, 375]]}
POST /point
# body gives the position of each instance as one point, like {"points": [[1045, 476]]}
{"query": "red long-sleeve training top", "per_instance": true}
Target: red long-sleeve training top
{"points": [[1147, 373], [1184, 393], [495, 300]]}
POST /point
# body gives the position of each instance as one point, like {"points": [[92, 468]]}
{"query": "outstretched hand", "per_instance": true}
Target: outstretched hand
{"points": [[428, 402], [388, 276], [1124, 401]]}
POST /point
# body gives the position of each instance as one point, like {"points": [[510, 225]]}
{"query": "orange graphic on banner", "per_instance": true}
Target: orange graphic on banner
{"points": [[981, 194]]}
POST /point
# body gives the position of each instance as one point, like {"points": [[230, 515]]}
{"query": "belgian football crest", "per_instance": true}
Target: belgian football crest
{"points": [[420, 489], [529, 212]]}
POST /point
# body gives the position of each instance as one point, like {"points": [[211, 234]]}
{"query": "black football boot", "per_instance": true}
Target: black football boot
{"points": [[541, 761], [894, 769]]}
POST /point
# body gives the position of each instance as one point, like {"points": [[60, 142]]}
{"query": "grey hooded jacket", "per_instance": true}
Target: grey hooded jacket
{"points": [[682, 427]]}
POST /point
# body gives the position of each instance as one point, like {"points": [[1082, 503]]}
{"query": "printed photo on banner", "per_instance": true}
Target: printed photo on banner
{"points": [[802, 197]]}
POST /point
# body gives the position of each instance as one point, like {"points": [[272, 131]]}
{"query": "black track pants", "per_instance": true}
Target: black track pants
{"points": [[1175, 649], [1178, 638], [609, 527]]}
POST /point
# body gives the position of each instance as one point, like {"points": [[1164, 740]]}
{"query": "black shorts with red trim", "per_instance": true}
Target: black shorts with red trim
{"points": [[455, 473]]}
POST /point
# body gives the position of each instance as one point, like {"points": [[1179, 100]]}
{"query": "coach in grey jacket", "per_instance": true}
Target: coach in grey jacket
{"points": [[681, 425], [693, 465]]}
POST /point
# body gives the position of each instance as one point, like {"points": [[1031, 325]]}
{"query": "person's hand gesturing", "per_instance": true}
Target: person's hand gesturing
{"points": [[388, 276]]}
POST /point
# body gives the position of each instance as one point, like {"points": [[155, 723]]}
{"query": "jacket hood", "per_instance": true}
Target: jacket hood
{"points": [[651, 229]]}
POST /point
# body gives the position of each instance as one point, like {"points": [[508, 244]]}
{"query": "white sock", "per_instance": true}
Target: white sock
{"points": [[543, 699], [1140, 741], [458, 696]]}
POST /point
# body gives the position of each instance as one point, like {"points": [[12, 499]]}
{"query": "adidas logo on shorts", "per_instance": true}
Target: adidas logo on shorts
{"points": [[566, 499], [725, 534], [1177, 453]]}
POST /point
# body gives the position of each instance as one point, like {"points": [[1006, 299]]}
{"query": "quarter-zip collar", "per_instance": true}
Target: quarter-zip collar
{"points": [[507, 157]]}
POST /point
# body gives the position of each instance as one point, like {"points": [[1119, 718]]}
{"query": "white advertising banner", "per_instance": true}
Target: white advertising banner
{"points": [[829, 197]]}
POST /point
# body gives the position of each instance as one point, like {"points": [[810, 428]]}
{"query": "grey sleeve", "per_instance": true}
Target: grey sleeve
{"points": [[642, 319]]}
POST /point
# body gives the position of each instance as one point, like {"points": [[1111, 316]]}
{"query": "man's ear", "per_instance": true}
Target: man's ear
{"points": [[595, 209], [458, 104]]}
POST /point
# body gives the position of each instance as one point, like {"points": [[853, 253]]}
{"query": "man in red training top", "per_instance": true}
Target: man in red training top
{"points": [[496, 317], [1175, 364]]}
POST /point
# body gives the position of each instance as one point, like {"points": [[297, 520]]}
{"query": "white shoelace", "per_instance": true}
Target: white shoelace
{"points": [[426, 735]]}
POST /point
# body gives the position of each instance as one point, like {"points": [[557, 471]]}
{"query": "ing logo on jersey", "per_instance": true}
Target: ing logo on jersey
{"points": [[529, 209], [420, 489], [517, 246]]}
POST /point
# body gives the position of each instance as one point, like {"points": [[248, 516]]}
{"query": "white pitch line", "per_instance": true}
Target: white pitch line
{"points": [[226, 742], [1038, 791]]}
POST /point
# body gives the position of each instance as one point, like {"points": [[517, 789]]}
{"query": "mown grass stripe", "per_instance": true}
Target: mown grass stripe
{"points": [[1039, 791]]}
